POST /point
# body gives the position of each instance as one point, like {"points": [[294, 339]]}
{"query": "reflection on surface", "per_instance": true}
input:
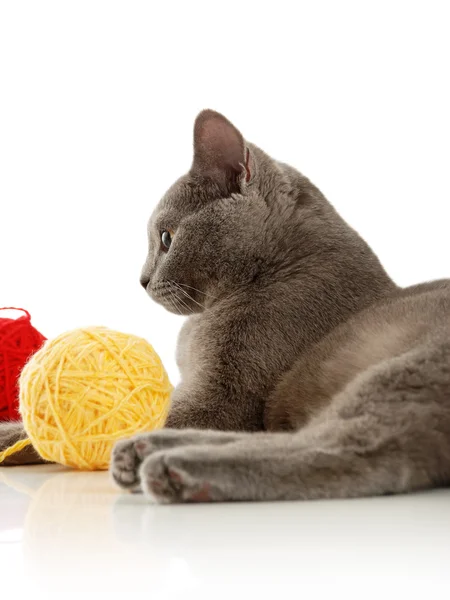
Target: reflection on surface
{"points": [[74, 529]]}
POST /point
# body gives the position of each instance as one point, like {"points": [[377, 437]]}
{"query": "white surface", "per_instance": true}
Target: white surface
{"points": [[72, 534]]}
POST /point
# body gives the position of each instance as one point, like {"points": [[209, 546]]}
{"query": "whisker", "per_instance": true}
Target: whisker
{"points": [[180, 301], [172, 302], [183, 303], [196, 290], [187, 295], [205, 293]]}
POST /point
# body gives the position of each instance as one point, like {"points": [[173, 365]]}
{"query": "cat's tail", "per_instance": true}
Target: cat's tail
{"points": [[12, 433]]}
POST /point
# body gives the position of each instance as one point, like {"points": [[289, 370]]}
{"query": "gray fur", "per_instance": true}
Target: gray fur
{"points": [[295, 329], [10, 433], [324, 378]]}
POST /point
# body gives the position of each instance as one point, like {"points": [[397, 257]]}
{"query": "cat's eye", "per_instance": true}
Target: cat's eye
{"points": [[166, 240]]}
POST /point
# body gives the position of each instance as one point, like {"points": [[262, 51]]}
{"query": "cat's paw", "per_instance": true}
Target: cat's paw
{"points": [[127, 457], [177, 475], [125, 464], [128, 454]]}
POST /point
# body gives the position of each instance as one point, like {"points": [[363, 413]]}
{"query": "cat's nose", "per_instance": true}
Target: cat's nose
{"points": [[144, 281]]}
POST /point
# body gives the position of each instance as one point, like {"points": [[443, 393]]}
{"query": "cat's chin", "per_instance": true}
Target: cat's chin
{"points": [[174, 298], [173, 305], [176, 302], [184, 312]]}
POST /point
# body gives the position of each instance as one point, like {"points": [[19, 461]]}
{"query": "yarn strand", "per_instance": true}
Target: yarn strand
{"points": [[17, 447]]}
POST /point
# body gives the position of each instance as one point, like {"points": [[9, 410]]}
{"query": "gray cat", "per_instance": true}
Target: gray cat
{"points": [[322, 377]]}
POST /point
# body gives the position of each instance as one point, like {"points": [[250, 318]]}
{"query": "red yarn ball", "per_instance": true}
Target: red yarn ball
{"points": [[19, 340]]}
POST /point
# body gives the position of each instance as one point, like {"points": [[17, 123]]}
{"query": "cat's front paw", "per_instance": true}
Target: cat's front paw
{"points": [[127, 457], [125, 464], [128, 454], [177, 475]]}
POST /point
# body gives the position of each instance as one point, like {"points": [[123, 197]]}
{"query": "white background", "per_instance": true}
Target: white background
{"points": [[97, 102]]}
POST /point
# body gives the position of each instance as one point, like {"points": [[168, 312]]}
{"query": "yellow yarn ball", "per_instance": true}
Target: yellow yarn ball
{"points": [[88, 388]]}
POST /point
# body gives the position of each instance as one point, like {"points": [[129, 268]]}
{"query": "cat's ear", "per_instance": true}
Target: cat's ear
{"points": [[219, 152]]}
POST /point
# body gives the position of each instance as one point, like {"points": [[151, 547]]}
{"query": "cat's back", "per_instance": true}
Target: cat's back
{"points": [[413, 311], [426, 303], [430, 291], [406, 319]]}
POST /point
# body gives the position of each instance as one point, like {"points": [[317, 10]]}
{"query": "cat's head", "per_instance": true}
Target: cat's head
{"points": [[217, 228]]}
